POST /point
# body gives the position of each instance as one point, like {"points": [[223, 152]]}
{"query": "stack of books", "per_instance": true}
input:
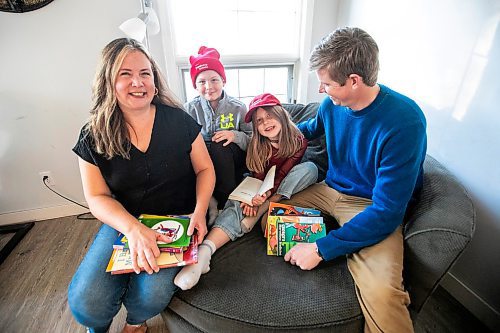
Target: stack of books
{"points": [[288, 225], [183, 250]]}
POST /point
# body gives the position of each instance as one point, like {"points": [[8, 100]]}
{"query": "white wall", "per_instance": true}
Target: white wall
{"points": [[446, 56], [324, 18], [47, 62]]}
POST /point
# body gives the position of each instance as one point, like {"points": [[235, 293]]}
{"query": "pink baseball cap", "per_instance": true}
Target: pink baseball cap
{"points": [[265, 99]]}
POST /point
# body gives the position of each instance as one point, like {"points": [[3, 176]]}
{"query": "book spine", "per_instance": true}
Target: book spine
{"points": [[279, 209], [283, 245], [270, 234], [171, 249]]}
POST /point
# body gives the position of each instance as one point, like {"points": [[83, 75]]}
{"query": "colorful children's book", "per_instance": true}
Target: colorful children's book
{"points": [[287, 213], [289, 234], [173, 226], [272, 228], [279, 209], [121, 261], [121, 243]]}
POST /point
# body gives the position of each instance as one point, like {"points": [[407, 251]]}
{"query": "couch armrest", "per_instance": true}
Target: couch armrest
{"points": [[436, 231]]}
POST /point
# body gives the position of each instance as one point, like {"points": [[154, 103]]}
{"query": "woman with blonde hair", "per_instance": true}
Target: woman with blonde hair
{"points": [[138, 153]]}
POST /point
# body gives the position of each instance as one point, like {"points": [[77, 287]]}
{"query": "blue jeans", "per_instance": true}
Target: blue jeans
{"points": [[95, 296], [301, 176]]}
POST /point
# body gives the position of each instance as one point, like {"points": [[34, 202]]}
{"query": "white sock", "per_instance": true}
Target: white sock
{"points": [[189, 276], [213, 212]]}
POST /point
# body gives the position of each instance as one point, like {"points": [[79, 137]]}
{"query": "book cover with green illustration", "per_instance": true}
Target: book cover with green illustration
{"points": [[121, 243], [289, 234], [170, 225], [272, 228]]}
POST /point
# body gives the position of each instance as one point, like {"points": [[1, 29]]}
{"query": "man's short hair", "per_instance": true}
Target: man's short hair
{"points": [[347, 51]]}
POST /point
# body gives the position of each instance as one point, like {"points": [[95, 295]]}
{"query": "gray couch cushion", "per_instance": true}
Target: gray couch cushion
{"points": [[249, 291]]}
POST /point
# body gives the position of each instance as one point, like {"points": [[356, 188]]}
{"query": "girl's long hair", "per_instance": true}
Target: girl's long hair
{"points": [[260, 150], [107, 126]]}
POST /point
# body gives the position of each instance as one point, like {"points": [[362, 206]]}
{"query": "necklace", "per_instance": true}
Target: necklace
{"points": [[274, 141]]}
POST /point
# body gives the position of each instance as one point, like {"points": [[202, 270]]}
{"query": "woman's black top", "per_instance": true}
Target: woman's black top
{"points": [[159, 181]]}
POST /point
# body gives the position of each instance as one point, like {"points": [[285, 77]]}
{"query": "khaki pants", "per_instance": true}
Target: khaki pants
{"points": [[377, 270]]}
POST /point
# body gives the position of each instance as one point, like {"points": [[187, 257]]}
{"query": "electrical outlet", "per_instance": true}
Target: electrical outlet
{"points": [[50, 181]]}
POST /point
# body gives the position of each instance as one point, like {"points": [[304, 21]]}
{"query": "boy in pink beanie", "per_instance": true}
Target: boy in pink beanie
{"points": [[222, 118]]}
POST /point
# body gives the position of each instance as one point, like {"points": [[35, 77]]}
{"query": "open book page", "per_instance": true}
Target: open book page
{"points": [[251, 186], [268, 182]]}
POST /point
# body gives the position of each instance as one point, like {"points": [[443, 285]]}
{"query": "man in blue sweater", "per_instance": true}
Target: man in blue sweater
{"points": [[376, 145]]}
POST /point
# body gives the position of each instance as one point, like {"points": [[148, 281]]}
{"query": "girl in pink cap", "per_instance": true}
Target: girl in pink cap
{"points": [[276, 142], [224, 130]]}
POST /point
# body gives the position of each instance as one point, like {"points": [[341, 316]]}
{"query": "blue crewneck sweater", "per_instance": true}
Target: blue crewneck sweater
{"points": [[375, 153]]}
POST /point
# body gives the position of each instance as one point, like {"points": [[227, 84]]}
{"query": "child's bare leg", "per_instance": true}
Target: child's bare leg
{"points": [[189, 276], [248, 222]]}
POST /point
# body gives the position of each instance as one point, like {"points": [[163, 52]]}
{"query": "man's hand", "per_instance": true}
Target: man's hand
{"points": [[224, 135], [303, 255]]}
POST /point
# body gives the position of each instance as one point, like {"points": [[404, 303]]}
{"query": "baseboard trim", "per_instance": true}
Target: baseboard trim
{"points": [[41, 214], [473, 302]]}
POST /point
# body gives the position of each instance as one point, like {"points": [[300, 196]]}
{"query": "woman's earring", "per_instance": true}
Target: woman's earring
{"points": [[156, 91]]}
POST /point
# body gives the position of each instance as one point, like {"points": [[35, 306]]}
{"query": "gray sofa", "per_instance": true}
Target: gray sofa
{"points": [[248, 291]]}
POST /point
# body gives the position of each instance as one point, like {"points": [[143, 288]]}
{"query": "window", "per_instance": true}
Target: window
{"points": [[258, 41], [244, 83]]}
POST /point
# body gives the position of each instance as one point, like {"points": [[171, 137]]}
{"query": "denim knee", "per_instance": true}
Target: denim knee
{"points": [[147, 295], [310, 172], [300, 177], [229, 220], [87, 310]]}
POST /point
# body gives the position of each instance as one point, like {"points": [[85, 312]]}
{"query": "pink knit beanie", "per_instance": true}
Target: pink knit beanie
{"points": [[207, 59]]}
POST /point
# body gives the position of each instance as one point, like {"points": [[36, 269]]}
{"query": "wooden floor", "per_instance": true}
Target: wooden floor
{"points": [[35, 277]]}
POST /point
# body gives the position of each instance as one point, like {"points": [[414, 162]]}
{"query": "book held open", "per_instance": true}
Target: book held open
{"points": [[251, 186]]}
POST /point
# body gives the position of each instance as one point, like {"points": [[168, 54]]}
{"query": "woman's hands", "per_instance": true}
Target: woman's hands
{"points": [[143, 248]]}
